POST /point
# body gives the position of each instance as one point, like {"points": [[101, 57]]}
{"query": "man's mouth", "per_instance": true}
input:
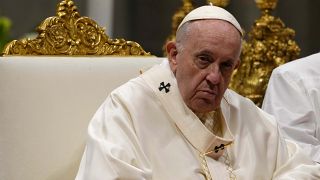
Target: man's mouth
{"points": [[207, 91]]}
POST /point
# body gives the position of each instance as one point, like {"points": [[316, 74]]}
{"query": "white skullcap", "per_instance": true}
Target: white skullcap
{"points": [[211, 12]]}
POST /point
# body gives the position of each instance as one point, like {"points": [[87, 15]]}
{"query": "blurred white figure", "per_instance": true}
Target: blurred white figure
{"points": [[293, 97]]}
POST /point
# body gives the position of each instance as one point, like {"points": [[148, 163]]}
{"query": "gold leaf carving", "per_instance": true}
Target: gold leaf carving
{"points": [[70, 34], [220, 3], [270, 44]]}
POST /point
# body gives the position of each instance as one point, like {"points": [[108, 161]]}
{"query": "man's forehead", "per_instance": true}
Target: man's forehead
{"points": [[208, 28]]}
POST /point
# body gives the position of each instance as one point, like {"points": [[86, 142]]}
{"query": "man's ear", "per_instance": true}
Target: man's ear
{"points": [[172, 54], [171, 51]]}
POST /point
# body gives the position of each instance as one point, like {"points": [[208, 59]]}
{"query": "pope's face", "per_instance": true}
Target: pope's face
{"points": [[203, 62]]}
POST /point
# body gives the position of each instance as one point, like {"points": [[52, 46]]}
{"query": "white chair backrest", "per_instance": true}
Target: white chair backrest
{"points": [[46, 104]]}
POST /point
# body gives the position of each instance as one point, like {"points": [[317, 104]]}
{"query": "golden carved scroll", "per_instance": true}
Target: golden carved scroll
{"points": [[270, 44], [68, 33], [220, 3]]}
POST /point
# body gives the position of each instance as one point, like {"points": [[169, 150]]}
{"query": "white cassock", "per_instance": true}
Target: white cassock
{"points": [[145, 131], [293, 97]]}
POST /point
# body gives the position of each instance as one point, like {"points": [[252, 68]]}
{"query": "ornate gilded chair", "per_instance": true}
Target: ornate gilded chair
{"points": [[51, 86]]}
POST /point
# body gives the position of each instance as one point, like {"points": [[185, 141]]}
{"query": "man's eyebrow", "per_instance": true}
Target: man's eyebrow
{"points": [[207, 52]]}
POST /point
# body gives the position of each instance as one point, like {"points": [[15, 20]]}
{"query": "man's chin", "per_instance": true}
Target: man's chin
{"points": [[203, 107]]}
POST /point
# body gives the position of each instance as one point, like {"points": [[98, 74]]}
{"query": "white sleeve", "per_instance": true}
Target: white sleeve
{"points": [[297, 165], [289, 102], [113, 150]]}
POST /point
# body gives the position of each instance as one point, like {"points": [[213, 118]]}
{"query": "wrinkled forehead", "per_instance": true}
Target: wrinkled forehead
{"points": [[209, 32], [207, 28]]}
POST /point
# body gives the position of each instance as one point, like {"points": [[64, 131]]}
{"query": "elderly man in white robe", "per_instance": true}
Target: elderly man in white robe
{"points": [[293, 97], [179, 121]]}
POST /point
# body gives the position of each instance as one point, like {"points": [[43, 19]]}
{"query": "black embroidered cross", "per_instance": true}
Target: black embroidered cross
{"points": [[165, 87], [217, 148]]}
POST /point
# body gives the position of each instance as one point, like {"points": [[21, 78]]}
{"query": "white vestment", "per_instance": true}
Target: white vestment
{"points": [[144, 130], [293, 97]]}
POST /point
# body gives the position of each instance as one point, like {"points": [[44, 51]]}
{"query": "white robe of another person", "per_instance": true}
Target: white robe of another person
{"points": [[144, 130], [293, 97]]}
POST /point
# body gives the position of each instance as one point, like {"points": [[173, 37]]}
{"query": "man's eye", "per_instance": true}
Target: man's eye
{"points": [[204, 60], [227, 65]]}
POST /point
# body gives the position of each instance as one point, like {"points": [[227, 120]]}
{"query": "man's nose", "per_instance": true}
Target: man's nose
{"points": [[213, 74]]}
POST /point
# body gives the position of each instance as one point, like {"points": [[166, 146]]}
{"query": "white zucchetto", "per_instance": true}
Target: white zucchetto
{"points": [[211, 12]]}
